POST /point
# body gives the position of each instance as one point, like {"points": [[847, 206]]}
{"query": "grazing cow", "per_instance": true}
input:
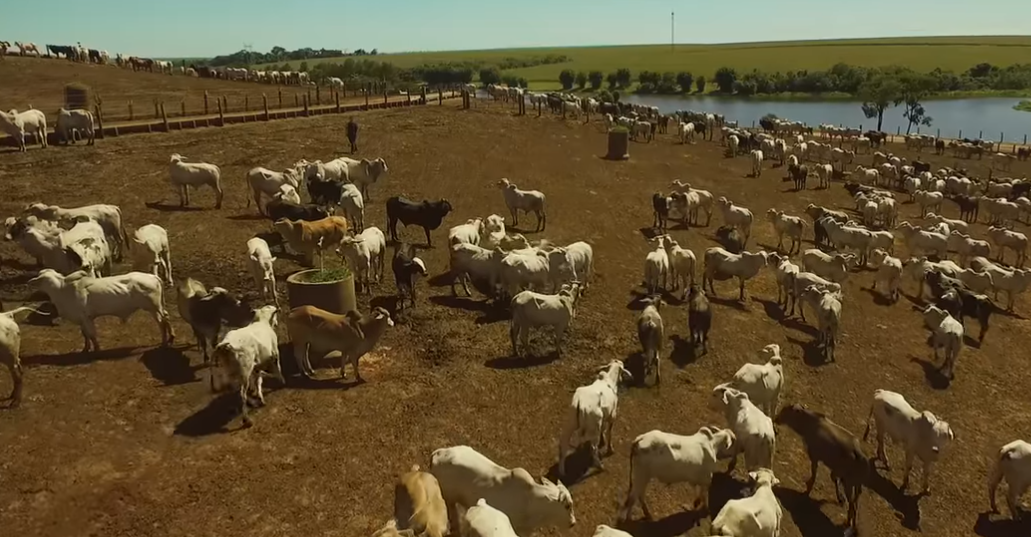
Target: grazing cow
{"points": [[834, 446], [244, 354], [672, 458], [592, 414], [465, 476], [18, 124], [922, 434], [70, 122], [1013, 463], [353, 334], [428, 215]]}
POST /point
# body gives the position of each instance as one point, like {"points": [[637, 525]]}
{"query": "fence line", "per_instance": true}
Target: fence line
{"points": [[162, 122]]}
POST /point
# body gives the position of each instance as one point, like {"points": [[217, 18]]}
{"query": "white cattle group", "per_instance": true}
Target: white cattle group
{"points": [[543, 285]]}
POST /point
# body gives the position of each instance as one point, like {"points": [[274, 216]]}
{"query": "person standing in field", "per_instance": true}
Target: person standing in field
{"points": [[352, 134]]}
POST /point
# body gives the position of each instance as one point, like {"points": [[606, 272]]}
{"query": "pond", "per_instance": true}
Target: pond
{"points": [[991, 117]]}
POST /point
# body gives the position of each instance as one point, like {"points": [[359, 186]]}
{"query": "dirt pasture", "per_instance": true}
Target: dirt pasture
{"points": [[129, 440]]}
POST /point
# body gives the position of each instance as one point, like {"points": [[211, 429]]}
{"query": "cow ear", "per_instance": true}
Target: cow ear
{"points": [[545, 481]]}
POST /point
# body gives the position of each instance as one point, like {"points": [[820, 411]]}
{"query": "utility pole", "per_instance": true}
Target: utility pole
{"points": [[671, 31]]}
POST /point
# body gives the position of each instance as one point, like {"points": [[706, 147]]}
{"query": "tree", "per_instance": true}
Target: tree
{"points": [[623, 77], [684, 80], [303, 68], [595, 78], [649, 77], [915, 87], [581, 80], [700, 84], [567, 77], [490, 75], [879, 94], [612, 79], [725, 78]]}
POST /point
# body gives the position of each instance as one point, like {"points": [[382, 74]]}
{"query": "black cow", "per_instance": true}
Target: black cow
{"points": [[953, 296], [968, 206], [1023, 153], [279, 208], [660, 205], [939, 146], [94, 56], [325, 193], [799, 174], [921, 166], [426, 214], [406, 267], [767, 124], [876, 138]]}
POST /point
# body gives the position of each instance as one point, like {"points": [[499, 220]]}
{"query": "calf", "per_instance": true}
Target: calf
{"points": [[762, 383], [834, 446], [753, 429], [1013, 463], [482, 520], [953, 296], [651, 335], [699, 318], [592, 414], [260, 262], [184, 175], [419, 505], [530, 310], [426, 214], [207, 310], [672, 458], [244, 354], [922, 434], [406, 267], [756, 516], [365, 253]]}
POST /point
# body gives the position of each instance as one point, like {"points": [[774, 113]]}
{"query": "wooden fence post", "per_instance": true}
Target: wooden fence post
{"points": [[100, 120], [336, 96], [422, 92], [297, 102], [164, 116], [980, 134], [384, 94], [308, 95], [225, 103], [365, 90], [205, 102], [1025, 139], [221, 117], [264, 102], [318, 94], [306, 105], [961, 133], [131, 115], [246, 103], [182, 107], [280, 97], [440, 96]]}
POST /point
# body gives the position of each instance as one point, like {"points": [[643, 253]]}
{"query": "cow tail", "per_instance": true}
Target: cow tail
{"points": [[122, 232]]}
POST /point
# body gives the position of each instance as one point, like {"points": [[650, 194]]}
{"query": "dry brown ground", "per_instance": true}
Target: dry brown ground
{"points": [[40, 83], [128, 441]]}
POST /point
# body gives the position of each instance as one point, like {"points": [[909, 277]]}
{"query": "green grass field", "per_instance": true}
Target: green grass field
{"points": [[919, 53], [1024, 106]]}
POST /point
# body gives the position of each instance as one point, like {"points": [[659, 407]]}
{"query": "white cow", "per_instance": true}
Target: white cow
{"points": [[260, 263], [152, 253], [244, 354], [756, 516], [592, 414], [922, 434], [18, 125], [1013, 463], [465, 476]]}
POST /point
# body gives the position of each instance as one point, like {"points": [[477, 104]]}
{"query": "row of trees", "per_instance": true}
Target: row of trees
{"points": [[246, 58]]}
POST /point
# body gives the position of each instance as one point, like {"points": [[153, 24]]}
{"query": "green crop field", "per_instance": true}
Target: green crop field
{"points": [[919, 53]]}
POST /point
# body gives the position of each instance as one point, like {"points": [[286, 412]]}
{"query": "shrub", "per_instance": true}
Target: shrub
{"points": [[684, 80], [595, 78], [490, 75], [700, 84], [725, 78], [581, 80]]}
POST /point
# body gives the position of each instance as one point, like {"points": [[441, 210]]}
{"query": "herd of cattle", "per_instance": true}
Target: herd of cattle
{"points": [[541, 283]]}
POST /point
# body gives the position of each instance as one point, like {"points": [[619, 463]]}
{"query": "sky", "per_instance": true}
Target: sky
{"points": [[188, 28]]}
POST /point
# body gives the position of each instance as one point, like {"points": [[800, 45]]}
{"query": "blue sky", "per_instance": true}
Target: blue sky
{"points": [[208, 27]]}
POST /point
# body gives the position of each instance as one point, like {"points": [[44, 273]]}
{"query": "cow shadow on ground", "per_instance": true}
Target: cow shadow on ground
{"points": [[213, 418], [639, 299], [683, 353], [907, 508], [578, 466], [79, 357], [288, 365], [1002, 527], [165, 207], [772, 309], [729, 302], [878, 298], [490, 313], [812, 353], [649, 232], [522, 362], [722, 489], [932, 373], [1006, 313], [19, 279], [443, 279], [169, 365], [806, 513], [246, 217]]}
